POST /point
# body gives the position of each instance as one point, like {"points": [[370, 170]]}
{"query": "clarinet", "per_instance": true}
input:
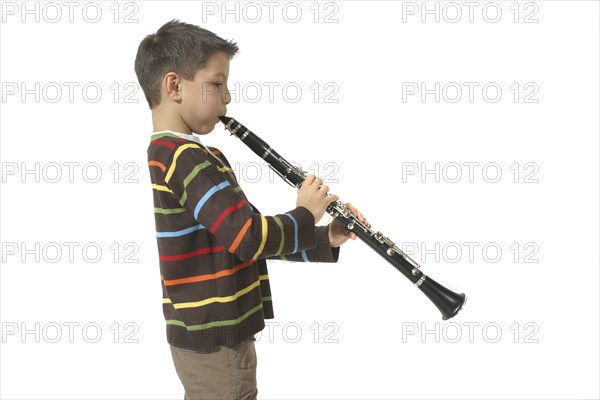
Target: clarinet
{"points": [[448, 302]]}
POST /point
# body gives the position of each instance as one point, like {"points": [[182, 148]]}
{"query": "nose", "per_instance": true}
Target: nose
{"points": [[227, 96]]}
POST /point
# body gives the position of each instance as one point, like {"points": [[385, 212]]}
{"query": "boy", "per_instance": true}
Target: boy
{"points": [[212, 241]]}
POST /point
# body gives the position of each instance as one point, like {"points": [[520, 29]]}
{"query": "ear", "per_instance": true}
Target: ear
{"points": [[172, 86]]}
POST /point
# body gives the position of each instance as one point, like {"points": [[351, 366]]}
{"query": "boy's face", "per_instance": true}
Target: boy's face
{"points": [[205, 98]]}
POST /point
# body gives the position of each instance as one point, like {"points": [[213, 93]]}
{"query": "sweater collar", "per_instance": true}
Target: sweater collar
{"points": [[185, 136]]}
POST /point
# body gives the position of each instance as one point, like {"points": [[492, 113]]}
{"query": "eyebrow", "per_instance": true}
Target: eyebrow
{"points": [[219, 74]]}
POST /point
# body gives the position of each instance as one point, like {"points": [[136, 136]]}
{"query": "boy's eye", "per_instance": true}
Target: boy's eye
{"points": [[217, 84]]}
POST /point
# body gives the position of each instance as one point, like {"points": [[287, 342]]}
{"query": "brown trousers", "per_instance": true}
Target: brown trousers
{"points": [[227, 373]]}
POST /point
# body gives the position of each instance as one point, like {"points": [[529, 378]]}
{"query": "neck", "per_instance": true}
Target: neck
{"points": [[166, 120]]}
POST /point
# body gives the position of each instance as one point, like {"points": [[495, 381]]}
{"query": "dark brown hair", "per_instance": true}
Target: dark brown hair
{"points": [[176, 47]]}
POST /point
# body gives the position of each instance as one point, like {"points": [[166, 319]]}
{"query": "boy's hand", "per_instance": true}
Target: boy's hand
{"points": [[337, 232], [313, 195]]}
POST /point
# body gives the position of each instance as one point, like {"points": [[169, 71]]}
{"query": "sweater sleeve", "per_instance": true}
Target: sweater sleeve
{"points": [[322, 252], [206, 189]]}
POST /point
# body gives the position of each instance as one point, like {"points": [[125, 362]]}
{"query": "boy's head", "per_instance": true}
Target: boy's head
{"points": [[183, 69]]}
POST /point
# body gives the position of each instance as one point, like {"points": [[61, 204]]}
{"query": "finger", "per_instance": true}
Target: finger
{"points": [[361, 217], [310, 179], [352, 209], [359, 214], [355, 211]]}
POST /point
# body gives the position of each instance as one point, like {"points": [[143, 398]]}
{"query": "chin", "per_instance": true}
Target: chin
{"points": [[206, 127], [206, 130]]}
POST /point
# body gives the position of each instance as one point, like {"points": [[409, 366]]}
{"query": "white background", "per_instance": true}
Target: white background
{"points": [[352, 329]]}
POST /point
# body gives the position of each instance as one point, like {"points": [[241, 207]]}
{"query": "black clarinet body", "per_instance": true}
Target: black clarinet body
{"points": [[448, 302]]}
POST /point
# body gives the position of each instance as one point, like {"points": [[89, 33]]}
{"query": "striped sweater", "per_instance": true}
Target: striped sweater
{"points": [[212, 245]]}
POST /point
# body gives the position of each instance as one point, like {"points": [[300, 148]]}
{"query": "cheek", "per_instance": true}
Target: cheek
{"points": [[209, 101], [214, 101], [205, 106]]}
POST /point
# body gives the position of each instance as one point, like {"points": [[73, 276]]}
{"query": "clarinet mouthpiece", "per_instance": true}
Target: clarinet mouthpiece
{"points": [[225, 119]]}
